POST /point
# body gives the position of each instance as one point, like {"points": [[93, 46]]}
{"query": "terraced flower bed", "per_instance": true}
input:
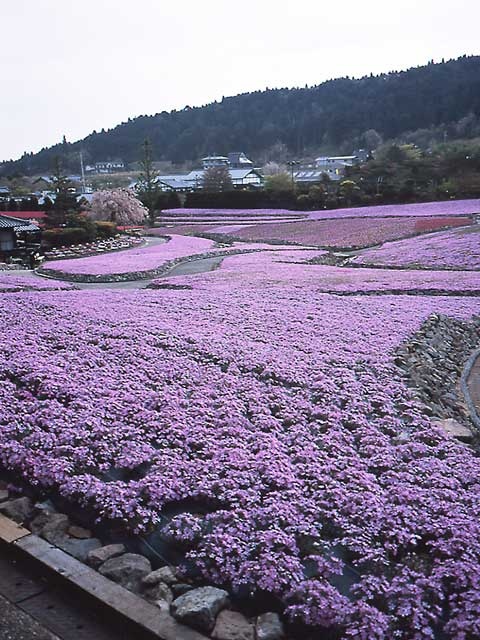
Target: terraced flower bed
{"points": [[422, 209], [229, 214], [12, 284], [428, 209], [129, 265], [256, 421], [147, 262], [284, 267], [273, 422], [343, 233], [455, 249]]}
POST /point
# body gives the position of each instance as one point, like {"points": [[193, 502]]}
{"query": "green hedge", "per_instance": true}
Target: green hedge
{"points": [[64, 237]]}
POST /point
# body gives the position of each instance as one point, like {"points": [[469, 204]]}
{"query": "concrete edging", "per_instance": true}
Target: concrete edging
{"points": [[146, 617]]}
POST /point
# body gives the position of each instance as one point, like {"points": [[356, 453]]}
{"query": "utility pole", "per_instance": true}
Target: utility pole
{"points": [[292, 164], [84, 185]]}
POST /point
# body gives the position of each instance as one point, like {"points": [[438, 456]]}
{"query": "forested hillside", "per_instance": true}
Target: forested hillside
{"points": [[430, 102]]}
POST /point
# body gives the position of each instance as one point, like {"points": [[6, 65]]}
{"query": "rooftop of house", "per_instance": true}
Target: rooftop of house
{"points": [[336, 158], [26, 215], [215, 158], [238, 157], [7, 222]]}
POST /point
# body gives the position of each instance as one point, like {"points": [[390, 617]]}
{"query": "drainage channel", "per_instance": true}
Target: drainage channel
{"points": [[34, 604]]}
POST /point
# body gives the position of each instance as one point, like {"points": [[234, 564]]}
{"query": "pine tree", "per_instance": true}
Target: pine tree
{"points": [[65, 201]]}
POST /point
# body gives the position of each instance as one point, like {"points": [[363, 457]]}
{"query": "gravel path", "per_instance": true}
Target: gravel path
{"points": [[15, 624]]}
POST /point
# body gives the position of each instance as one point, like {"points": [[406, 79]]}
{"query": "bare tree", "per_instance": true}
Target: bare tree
{"points": [[217, 179], [147, 188]]}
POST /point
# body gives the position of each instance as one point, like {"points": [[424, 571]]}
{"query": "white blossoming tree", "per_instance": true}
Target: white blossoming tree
{"points": [[117, 205]]}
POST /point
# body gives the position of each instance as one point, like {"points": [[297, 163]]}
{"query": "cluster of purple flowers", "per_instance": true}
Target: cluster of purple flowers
{"points": [[448, 208], [132, 260], [289, 266], [12, 283], [455, 249], [347, 232], [280, 413]]}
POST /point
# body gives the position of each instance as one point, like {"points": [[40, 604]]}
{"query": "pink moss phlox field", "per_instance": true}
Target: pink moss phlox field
{"points": [[447, 208], [133, 260], [229, 214], [20, 283], [279, 412], [351, 232], [456, 249], [274, 268]]}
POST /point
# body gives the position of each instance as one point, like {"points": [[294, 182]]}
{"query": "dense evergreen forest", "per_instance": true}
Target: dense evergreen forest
{"points": [[423, 105]]}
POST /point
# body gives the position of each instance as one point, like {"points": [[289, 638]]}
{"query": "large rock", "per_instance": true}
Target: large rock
{"points": [[79, 532], [98, 556], [269, 627], [51, 526], [180, 588], [454, 428], [4, 495], [158, 592], [127, 570], [200, 607], [79, 549], [164, 574], [19, 509], [231, 625]]}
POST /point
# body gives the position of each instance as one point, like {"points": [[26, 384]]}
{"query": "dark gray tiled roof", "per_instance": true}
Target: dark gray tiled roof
{"points": [[21, 225]]}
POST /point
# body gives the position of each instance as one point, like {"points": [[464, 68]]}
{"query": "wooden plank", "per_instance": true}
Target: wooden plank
{"points": [[11, 531], [149, 617], [51, 557], [15, 583], [67, 619]]}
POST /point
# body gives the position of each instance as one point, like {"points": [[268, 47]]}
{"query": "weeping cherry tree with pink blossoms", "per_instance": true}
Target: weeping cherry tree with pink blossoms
{"points": [[119, 206]]}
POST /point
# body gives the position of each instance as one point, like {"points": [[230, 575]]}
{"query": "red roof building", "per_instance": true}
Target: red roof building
{"points": [[39, 216]]}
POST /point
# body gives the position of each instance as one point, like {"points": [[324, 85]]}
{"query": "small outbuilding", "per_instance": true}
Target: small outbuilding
{"points": [[18, 239]]}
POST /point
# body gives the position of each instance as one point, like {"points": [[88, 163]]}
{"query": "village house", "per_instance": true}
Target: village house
{"points": [[108, 166], [4, 193], [241, 171], [18, 239], [335, 167]]}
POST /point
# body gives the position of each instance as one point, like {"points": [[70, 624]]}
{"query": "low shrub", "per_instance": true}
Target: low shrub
{"points": [[64, 237], [106, 229]]}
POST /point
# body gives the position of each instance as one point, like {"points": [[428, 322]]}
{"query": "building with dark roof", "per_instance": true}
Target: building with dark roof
{"points": [[18, 238]]}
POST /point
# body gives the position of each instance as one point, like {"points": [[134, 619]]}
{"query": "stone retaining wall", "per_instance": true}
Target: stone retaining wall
{"points": [[433, 360]]}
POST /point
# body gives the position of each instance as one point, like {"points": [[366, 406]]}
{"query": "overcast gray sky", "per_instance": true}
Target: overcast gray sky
{"points": [[69, 67]]}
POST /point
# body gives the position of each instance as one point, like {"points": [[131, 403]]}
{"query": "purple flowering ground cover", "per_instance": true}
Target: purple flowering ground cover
{"points": [[132, 260], [145, 259], [13, 283], [264, 269], [447, 208], [279, 411], [343, 233], [455, 249]]}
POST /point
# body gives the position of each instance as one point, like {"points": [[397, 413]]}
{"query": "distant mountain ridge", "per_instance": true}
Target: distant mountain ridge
{"points": [[333, 115]]}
